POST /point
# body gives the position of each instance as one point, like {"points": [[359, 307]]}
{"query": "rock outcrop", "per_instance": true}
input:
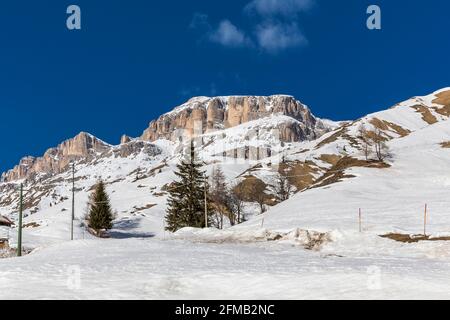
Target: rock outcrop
{"points": [[134, 147], [201, 115], [81, 149], [55, 160], [197, 116], [125, 139]]}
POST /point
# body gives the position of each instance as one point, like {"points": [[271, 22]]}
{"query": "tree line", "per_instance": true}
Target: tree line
{"points": [[198, 201], [195, 200]]}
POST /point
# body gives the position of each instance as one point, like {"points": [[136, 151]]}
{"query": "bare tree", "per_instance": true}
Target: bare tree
{"points": [[381, 148], [219, 195], [364, 136], [261, 200], [237, 200]]}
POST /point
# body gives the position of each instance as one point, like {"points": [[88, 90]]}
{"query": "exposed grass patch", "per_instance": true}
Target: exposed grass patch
{"points": [[337, 172], [332, 138], [443, 99], [445, 144], [427, 116], [32, 225], [330, 158], [253, 187], [408, 238], [299, 174], [389, 126]]}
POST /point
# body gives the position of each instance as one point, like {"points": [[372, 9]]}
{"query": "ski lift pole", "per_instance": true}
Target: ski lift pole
{"points": [[206, 203], [19, 238], [73, 202]]}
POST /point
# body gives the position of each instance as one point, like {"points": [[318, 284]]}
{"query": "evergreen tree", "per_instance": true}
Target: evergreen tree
{"points": [[186, 203], [100, 214], [282, 188]]}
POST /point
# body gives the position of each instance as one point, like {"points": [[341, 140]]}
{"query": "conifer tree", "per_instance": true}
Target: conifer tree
{"points": [[186, 203], [100, 214]]}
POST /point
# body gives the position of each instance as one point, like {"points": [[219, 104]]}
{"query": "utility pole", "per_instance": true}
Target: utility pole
{"points": [[19, 238], [73, 201], [206, 203], [360, 221], [425, 221]]}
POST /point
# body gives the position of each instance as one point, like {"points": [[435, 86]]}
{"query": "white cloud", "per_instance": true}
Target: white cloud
{"points": [[286, 8], [275, 29], [227, 34], [276, 37]]}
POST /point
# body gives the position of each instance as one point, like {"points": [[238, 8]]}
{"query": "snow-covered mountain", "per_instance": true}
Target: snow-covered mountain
{"points": [[246, 147], [332, 174]]}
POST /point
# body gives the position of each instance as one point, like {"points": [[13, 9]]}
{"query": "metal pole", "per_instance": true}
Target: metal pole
{"points": [[425, 221], [206, 205], [73, 201], [360, 221], [19, 238]]}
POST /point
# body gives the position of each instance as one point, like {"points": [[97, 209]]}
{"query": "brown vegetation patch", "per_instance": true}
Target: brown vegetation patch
{"points": [[4, 244], [445, 111], [337, 172], [31, 225], [341, 133], [252, 187], [427, 116], [338, 134], [299, 174], [445, 144], [443, 99], [389, 126], [407, 238], [330, 158]]}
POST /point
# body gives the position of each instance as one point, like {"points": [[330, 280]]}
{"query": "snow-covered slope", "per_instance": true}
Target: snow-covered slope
{"points": [[332, 180], [136, 179]]}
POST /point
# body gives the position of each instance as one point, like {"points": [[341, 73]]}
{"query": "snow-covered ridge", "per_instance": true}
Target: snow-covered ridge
{"points": [[195, 101], [204, 114]]}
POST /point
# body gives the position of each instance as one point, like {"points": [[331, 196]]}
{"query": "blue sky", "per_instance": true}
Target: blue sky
{"points": [[134, 60]]}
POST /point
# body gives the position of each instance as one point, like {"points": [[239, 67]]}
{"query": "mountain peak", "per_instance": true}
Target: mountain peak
{"points": [[56, 160], [223, 112]]}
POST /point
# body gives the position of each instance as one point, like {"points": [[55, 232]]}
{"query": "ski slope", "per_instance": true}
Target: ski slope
{"points": [[142, 261]]}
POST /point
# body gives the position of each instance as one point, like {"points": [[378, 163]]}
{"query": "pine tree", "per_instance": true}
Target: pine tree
{"points": [[186, 203], [100, 214], [282, 188]]}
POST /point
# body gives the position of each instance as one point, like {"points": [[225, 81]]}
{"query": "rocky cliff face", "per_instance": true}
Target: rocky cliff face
{"points": [[201, 115], [197, 116], [56, 160], [82, 148]]}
